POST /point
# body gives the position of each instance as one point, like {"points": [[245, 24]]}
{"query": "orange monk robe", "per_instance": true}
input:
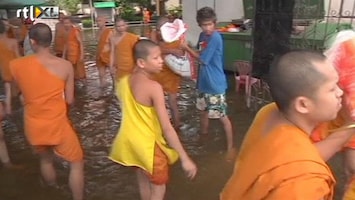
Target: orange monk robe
{"points": [[103, 57], [73, 53], [45, 115], [279, 164], [124, 60], [169, 80], [6, 55], [59, 39]]}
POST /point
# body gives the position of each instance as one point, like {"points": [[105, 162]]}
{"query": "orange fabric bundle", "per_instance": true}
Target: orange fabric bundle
{"points": [[169, 80]]}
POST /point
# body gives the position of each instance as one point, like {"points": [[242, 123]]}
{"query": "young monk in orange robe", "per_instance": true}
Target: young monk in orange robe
{"points": [[8, 52], [59, 37], [74, 49], [167, 78], [47, 86], [277, 159], [103, 48], [121, 45], [21, 32]]}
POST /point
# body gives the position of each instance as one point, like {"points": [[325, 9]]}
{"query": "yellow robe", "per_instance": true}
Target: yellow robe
{"points": [[140, 131]]}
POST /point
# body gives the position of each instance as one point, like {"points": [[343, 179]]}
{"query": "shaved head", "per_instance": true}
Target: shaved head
{"points": [[142, 48], [119, 19], [41, 34], [295, 74]]}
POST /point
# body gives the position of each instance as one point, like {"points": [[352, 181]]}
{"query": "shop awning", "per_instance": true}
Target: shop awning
{"points": [[107, 4]]}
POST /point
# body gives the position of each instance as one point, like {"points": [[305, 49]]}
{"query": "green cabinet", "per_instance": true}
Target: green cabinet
{"points": [[237, 46], [315, 36]]}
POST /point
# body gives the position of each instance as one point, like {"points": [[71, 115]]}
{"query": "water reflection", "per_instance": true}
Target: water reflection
{"points": [[96, 118]]}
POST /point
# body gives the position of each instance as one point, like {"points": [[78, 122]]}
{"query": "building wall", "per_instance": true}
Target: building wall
{"points": [[226, 10], [333, 9]]}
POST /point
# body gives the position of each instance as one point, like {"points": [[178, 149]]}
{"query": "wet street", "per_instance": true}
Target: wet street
{"points": [[96, 118]]}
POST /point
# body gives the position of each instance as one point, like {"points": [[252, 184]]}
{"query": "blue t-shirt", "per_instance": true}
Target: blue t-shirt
{"points": [[211, 77]]}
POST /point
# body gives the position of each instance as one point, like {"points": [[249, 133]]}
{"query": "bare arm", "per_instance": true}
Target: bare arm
{"points": [[69, 85], [169, 132], [55, 35], [333, 143], [192, 52], [15, 48], [112, 54], [7, 97], [79, 38], [175, 51], [64, 55], [153, 36]]}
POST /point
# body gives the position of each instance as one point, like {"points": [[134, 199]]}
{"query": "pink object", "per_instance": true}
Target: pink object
{"points": [[171, 32], [342, 55], [244, 69]]}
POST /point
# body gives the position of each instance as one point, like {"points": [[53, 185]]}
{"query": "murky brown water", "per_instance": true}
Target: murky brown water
{"points": [[96, 118]]}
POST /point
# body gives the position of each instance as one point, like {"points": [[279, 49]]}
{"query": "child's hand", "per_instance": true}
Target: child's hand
{"points": [[184, 46], [189, 167]]}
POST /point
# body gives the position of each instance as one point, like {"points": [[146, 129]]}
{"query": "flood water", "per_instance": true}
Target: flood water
{"points": [[96, 118]]}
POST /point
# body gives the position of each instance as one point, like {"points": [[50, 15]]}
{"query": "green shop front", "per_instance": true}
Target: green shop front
{"points": [[311, 31], [105, 9]]}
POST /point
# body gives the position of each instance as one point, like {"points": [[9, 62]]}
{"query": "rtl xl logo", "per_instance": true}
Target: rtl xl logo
{"points": [[42, 12]]}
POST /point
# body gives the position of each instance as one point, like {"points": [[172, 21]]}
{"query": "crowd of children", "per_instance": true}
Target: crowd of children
{"points": [[277, 159]]}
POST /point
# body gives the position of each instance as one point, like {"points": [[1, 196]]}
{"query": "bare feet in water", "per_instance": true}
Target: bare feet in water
{"points": [[12, 166], [231, 154]]}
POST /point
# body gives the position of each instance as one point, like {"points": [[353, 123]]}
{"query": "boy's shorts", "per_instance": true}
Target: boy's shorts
{"points": [[215, 104], [160, 174], [69, 149]]}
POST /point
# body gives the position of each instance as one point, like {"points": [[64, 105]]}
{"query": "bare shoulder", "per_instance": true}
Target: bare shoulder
{"points": [[146, 85], [62, 63], [153, 87]]}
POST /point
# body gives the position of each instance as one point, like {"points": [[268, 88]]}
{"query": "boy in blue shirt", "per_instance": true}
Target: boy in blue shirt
{"points": [[211, 82]]}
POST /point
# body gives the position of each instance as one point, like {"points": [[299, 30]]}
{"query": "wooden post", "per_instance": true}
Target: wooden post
{"points": [[157, 7]]}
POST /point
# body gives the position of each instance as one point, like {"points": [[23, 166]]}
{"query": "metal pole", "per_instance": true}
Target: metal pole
{"points": [[157, 7], [92, 16]]}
